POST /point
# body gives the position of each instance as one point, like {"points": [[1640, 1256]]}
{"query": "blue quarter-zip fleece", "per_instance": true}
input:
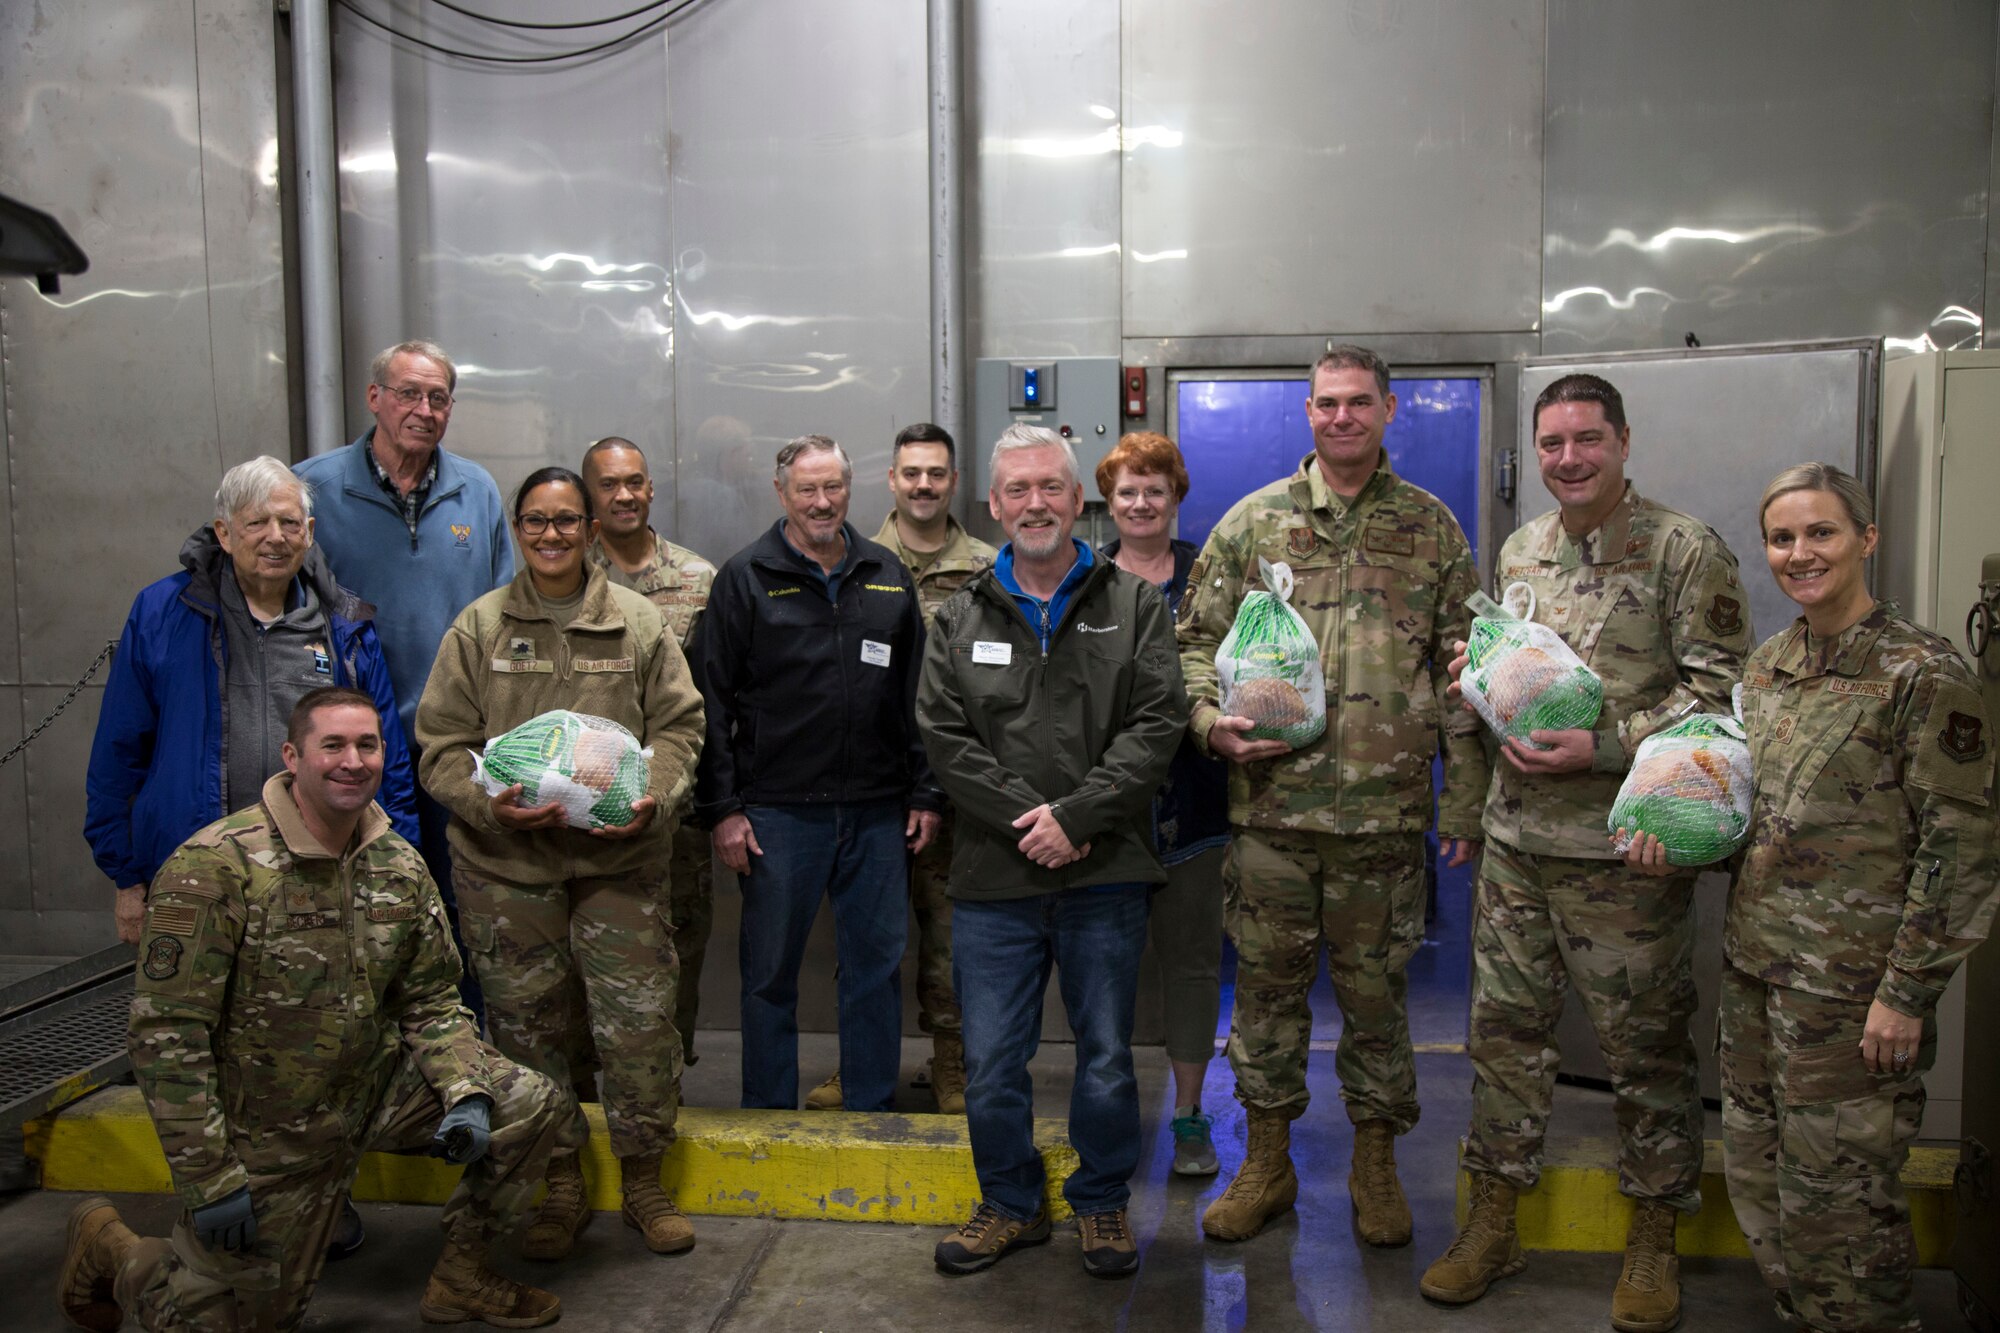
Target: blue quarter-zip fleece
{"points": [[1044, 616]]}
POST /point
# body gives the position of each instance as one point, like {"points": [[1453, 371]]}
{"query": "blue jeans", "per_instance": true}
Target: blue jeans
{"points": [[854, 854], [1001, 956]]}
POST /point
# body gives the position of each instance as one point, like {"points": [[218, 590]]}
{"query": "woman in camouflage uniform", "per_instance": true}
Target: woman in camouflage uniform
{"points": [[543, 904], [1868, 878]]}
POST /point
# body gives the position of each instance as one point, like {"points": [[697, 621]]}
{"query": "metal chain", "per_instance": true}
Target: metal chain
{"points": [[67, 699]]}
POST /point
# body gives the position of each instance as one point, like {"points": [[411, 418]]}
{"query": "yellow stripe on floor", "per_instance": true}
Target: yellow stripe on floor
{"points": [[823, 1166]]}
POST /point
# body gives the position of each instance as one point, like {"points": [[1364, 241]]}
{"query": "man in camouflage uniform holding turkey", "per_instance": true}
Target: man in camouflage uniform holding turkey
{"points": [[1649, 599], [1329, 839], [297, 1005], [675, 580]]}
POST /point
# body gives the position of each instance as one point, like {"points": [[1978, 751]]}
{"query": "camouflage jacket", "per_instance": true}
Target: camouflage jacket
{"points": [[507, 659], [278, 984], [1650, 602], [1871, 870], [963, 556], [1382, 581], [675, 581]]}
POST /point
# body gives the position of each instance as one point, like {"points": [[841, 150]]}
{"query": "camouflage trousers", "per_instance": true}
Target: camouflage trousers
{"points": [[1362, 898], [691, 915], [182, 1285], [1625, 942], [532, 944], [1813, 1146], [930, 876]]}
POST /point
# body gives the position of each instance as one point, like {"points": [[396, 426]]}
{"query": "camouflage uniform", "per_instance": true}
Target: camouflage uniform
{"points": [[1651, 602], [1870, 875], [676, 581], [293, 1010], [1329, 844], [543, 908], [944, 573]]}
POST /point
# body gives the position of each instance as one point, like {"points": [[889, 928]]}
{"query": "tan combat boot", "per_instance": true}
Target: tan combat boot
{"points": [[463, 1290], [650, 1211], [948, 1072], [1264, 1188], [827, 1096], [563, 1214], [97, 1245], [1382, 1214], [1486, 1250], [1647, 1298]]}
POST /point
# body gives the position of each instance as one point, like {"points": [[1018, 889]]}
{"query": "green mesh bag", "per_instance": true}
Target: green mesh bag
{"points": [[1520, 677], [1690, 788], [1269, 665], [590, 766]]}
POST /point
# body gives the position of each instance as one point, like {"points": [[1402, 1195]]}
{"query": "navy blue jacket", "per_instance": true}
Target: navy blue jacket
{"points": [[156, 765]]}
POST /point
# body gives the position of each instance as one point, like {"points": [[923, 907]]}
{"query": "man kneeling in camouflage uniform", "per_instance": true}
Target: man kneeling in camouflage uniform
{"points": [[297, 1006]]}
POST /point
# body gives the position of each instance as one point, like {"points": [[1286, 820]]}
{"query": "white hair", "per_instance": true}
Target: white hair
{"points": [[254, 483], [1020, 436], [812, 444]]}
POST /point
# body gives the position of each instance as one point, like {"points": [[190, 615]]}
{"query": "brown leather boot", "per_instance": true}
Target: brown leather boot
{"points": [[1382, 1214], [650, 1211], [564, 1213], [1647, 1298], [97, 1244], [1265, 1187], [463, 1289], [948, 1072], [1487, 1249]]}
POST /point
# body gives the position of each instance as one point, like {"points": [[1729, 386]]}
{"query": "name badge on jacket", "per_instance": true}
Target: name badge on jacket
{"points": [[988, 653], [874, 653]]}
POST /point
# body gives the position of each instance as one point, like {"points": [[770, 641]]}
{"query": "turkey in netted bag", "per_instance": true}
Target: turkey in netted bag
{"points": [[1690, 788], [590, 766], [1520, 676], [1269, 665]]}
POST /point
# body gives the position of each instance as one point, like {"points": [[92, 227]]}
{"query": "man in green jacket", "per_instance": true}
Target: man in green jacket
{"points": [[1329, 838], [296, 1006], [1050, 705]]}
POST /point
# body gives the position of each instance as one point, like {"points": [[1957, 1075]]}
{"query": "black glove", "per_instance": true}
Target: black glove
{"points": [[462, 1134], [227, 1224]]}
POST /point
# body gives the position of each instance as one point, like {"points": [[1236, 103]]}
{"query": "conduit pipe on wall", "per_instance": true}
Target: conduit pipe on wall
{"points": [[319, 222], [948, 352]]}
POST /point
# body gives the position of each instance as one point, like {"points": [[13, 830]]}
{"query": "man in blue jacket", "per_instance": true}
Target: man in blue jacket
{"points": [[209, 666]]}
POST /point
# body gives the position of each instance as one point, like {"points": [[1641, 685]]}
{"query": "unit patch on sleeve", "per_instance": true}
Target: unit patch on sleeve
{"points": [[1725, 615], [1963, 738], [163, 957]]}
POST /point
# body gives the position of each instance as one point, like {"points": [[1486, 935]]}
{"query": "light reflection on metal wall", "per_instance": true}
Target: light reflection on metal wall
{"points": [[1369, 166], [1043, 110], [1778, 171], [129, 392], [801, 236], [518, 217]]}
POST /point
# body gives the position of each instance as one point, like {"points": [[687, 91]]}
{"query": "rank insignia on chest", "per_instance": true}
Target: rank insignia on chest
{"points": [[1963, 738], [163, 957], [520, 650], [322, 663], [1783, 731], [1725, 615], [1301, 542]]}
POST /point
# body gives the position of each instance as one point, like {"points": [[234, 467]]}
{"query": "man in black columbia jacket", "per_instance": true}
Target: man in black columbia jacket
{"points": [[813, 780], [1051, 705]]}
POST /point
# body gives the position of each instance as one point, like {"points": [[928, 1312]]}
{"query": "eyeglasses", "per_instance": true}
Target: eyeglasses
{"points": [[534, 525], [409, 396]]}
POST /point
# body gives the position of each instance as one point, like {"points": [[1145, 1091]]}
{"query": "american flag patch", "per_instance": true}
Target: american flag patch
{"points": [[173, 918]]}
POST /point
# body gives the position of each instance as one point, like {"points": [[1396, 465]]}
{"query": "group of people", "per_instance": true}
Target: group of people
{"points": [[1028, 746]]}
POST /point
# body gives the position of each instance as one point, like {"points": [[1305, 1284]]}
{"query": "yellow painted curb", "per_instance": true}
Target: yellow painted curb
{"points": [[823, 1165], [1577, 1205]]}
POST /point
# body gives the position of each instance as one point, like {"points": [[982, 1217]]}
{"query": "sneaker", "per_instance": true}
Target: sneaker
{"points": [[1108, 1249], [984, 1239], [1194, 1146]]}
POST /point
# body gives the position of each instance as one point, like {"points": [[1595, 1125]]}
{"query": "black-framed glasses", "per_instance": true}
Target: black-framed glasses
{"points": [[534, 525], [409, 396]]}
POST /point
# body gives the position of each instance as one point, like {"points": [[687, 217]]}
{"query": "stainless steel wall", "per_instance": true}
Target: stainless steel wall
{"points": [[150, 131]]}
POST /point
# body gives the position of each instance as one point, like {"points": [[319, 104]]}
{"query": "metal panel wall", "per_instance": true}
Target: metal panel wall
{"points": [[1044, 235], [1777, 171], [149, 130], [517, 216], [1374, 165]]}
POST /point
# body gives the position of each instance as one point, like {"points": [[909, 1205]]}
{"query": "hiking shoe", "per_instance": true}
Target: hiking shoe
{"points": [[1194, 1144], [1108, 1250], [986, 1237], [827, 1096]]}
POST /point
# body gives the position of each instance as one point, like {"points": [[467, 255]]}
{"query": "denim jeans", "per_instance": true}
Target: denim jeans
{"points": [[1001, 956], [854, 854]]}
